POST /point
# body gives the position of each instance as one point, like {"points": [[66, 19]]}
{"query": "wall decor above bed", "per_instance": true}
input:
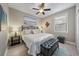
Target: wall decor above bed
{"points": [[30, 21], [47, 24]]}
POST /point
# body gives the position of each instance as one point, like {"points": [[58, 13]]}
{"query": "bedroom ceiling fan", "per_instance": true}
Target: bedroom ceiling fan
{"points": [[41, 9]]}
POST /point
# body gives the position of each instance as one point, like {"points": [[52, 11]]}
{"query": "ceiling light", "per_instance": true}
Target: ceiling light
{"points": [[41, 10]]}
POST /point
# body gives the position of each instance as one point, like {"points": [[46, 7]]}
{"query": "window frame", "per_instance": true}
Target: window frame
{"points": [[65, 16]]}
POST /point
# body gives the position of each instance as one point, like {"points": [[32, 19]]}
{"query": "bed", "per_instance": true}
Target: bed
{"points": [[33, 41], [33, 38]]}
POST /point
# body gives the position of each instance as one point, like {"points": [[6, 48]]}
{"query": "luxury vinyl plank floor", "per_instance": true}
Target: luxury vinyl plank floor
{"points": [[17, 50], [64, 50]]}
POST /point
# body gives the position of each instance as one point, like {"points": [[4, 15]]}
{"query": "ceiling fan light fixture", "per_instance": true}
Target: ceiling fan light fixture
{"points": [[41, 10]]}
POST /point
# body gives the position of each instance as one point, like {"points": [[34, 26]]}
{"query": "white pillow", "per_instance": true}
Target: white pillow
{"points": [[36, 31], [26, 31]]}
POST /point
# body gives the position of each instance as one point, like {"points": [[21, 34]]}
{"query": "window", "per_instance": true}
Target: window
{"points": [[61, 24]]}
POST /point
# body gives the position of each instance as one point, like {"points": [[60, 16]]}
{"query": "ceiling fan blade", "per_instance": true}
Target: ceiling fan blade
{"points": [[41, 5], [37, 13], [35, 8], [47, 9], [43, 13]]}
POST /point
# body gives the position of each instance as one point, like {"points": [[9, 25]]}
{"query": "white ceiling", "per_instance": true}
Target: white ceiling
{"points": [[27, 8]]}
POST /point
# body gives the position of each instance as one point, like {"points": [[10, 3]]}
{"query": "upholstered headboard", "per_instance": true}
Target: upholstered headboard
{"points": [[23, 27], [30, 29]]}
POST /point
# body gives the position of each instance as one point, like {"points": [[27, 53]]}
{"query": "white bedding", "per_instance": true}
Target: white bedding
{"points": [[33, 41]]}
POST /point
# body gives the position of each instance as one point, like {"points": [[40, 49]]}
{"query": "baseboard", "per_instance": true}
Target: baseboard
{"points": [[72, 43], [78, 50]]}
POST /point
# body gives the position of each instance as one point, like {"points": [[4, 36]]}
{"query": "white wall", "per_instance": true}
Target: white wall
{"points": [[77, 26]]}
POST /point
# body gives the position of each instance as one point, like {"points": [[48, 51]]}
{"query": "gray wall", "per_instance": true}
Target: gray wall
{"points": [[3, 42], [70, 36], [17, 17]]}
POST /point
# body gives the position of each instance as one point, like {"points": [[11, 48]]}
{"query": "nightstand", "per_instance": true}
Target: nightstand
{"points": [[61, 39], [13, 40]]}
